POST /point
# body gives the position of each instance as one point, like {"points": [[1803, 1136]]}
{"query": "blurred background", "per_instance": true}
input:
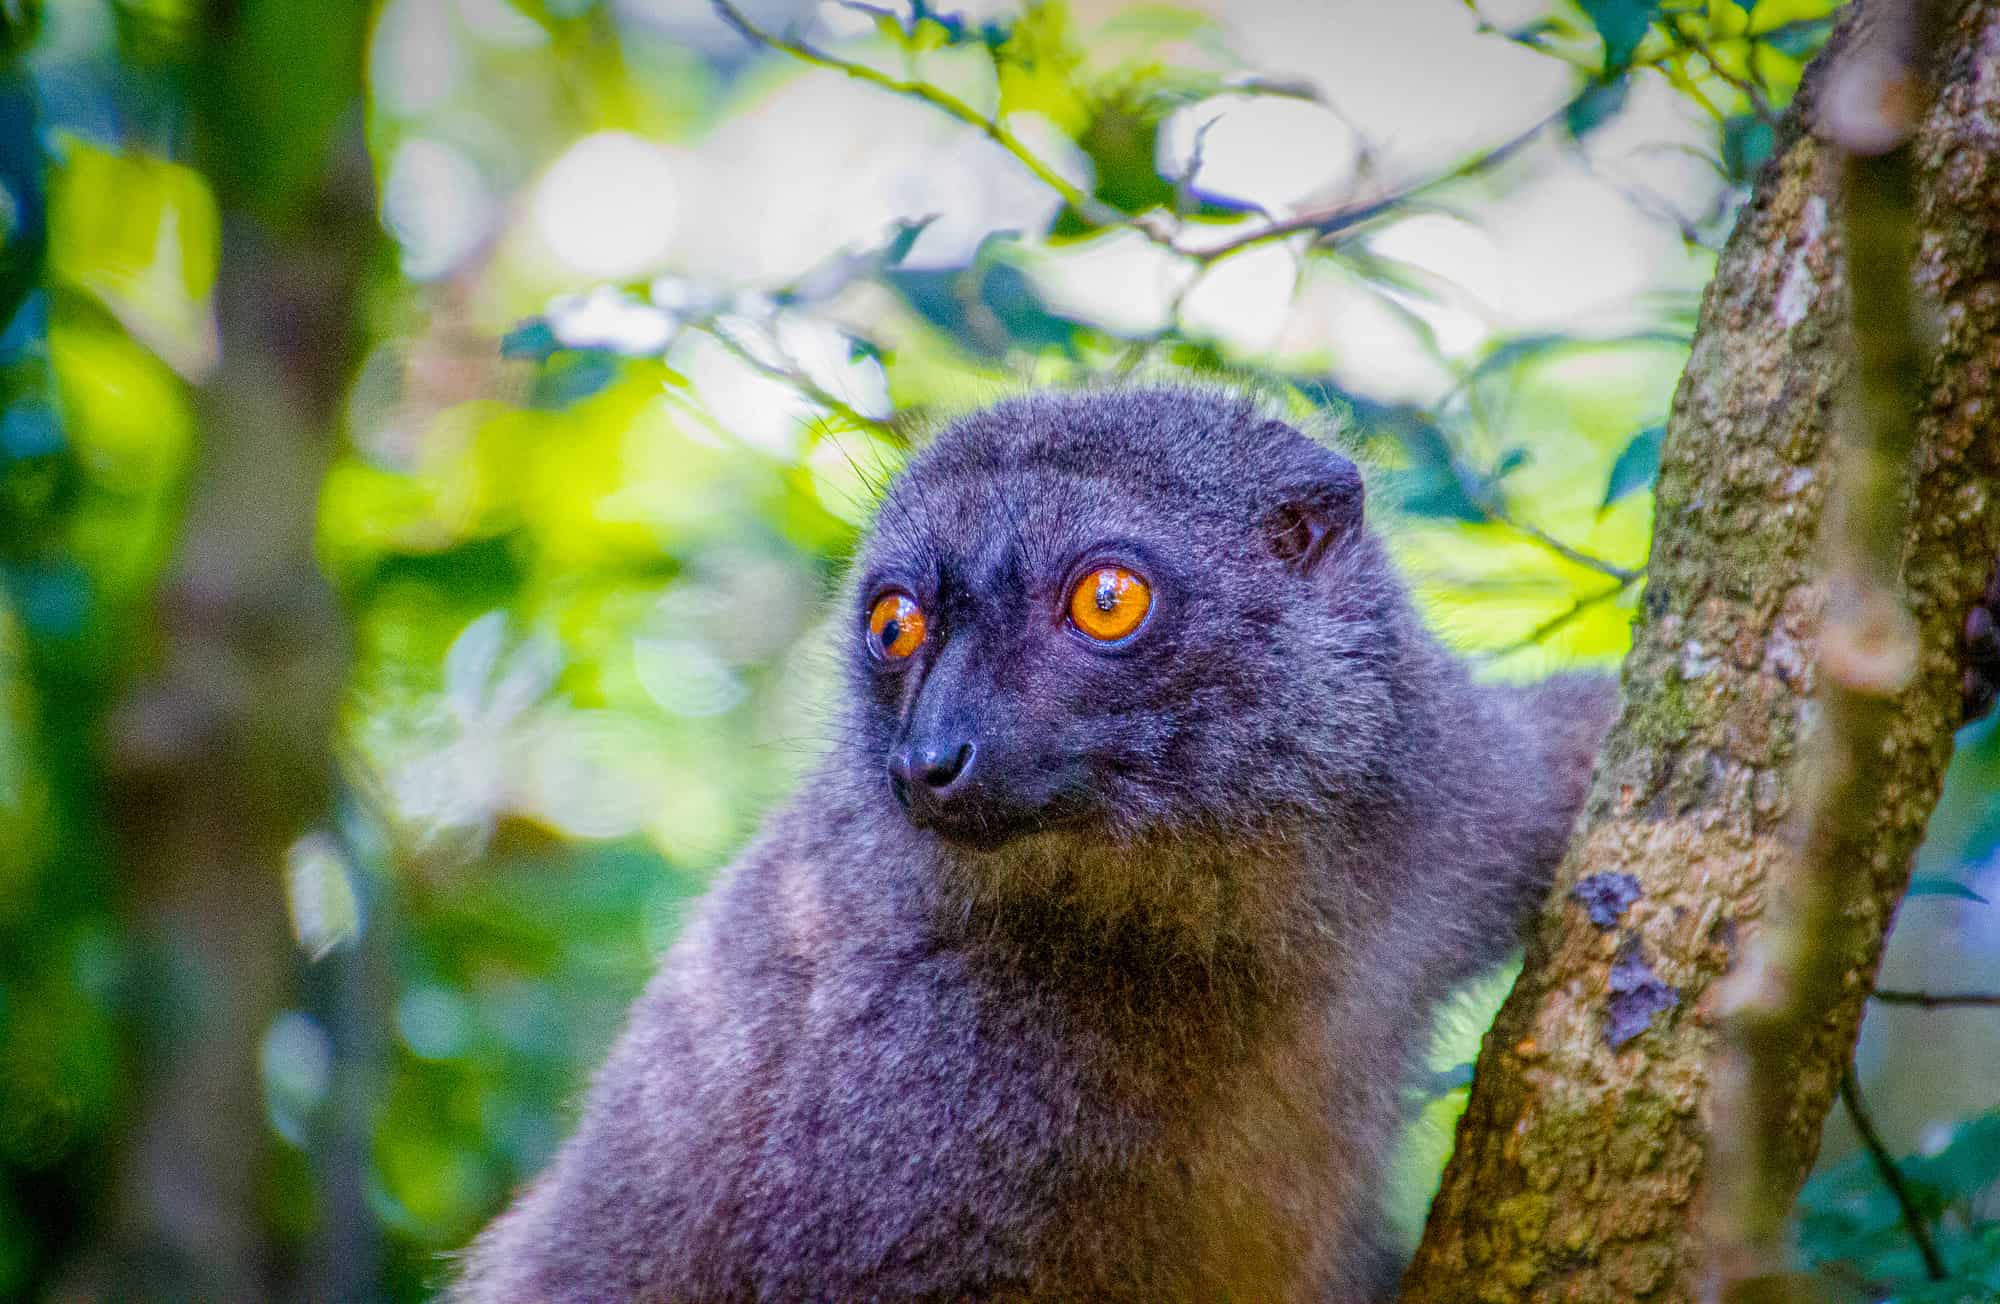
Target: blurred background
{"points": [[430, 432]]}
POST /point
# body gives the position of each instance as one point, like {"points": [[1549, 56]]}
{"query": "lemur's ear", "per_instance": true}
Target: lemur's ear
{"points": [[1313, 515]]}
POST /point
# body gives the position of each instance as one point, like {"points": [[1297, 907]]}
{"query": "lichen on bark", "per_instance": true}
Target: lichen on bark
{"points": [[1580, 1166]]}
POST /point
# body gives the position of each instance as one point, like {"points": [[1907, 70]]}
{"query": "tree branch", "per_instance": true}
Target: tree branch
{"points": [[944, 101], [1939, 1000], [796, 376], [1321, 223], [1583, 1168], [1794, 966], [1325, 223]]}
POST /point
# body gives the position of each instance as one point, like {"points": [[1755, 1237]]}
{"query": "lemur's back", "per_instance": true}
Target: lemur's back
{"points": [[1093, 962]]}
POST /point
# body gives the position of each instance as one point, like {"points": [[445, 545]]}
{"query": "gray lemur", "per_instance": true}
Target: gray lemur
{"points": [[1094, 960]]}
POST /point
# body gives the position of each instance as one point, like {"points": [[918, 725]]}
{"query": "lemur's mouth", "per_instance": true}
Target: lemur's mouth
{"points": [[975, 825], [978, 820]]}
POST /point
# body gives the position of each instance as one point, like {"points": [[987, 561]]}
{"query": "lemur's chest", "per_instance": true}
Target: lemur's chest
{"points": [[965, 1146]]}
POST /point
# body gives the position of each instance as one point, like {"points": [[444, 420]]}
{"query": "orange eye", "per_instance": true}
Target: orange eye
{"points": [[1109, 603], [895, 626]]}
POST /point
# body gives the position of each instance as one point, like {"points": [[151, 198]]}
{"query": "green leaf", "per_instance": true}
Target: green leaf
{"points": [[1929, 885], [1512, 352], [572, 375], [1531, 34], [1967, 1165], [534, 340], [30, 429], [1637, 466], [23, 201], [1157, 25], [904, 240], [1435, 485], [1510, 461], [143, 236], [1598, 104], [927, 34], [1746, 142], [1798, 39], [1122, 142], [967, 303], [1622, 24], [19, 25], [890, 27]]}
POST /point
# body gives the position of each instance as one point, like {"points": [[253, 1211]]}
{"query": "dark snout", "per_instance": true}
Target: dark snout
{"points": [[946, 781], [972, 774], [983, 791], [933, 769]]}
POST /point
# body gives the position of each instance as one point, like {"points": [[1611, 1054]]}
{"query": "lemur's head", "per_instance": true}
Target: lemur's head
{"points": [[1141, 612]]}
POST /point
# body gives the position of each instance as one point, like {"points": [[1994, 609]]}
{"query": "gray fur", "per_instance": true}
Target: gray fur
{"points": [[1152, 1042]]}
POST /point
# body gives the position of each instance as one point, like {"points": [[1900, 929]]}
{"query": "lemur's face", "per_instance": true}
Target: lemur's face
{"points": [[1105, 610]]}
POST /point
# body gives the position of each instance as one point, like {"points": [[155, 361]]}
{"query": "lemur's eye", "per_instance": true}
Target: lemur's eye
{"points": [[1109, 602], [895, 626]]}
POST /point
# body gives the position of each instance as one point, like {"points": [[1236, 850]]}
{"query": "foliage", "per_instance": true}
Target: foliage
{"points": [[1851, 1226]]}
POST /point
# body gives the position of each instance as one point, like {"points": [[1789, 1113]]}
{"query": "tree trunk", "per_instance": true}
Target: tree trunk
{"points": [[1581, 1165], [220, 759], [219, 756]]}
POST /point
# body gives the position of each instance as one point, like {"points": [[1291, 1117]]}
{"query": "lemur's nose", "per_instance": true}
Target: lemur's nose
{"points": [[935, 765]]}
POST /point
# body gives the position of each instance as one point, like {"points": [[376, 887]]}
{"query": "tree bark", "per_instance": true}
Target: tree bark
{"points": [[1582, 1164]]}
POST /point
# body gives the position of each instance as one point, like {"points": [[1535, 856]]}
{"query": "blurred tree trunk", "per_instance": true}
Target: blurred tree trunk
{"points": [[220, 756], [1581, 1171]]}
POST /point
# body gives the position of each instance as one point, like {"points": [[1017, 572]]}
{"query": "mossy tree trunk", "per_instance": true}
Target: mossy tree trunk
{"points": [[1582, 1166]]}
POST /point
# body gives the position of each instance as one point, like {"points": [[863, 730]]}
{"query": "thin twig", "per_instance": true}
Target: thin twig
{"points": [[1623, 574], [1885, 1166], [1185, 197], [1592, 67], [796, 377], [1939, 1000], [1335, 219], [1759, 104], [1321, 223], [1557, 622], [1673, 66], [1093, 211]]}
